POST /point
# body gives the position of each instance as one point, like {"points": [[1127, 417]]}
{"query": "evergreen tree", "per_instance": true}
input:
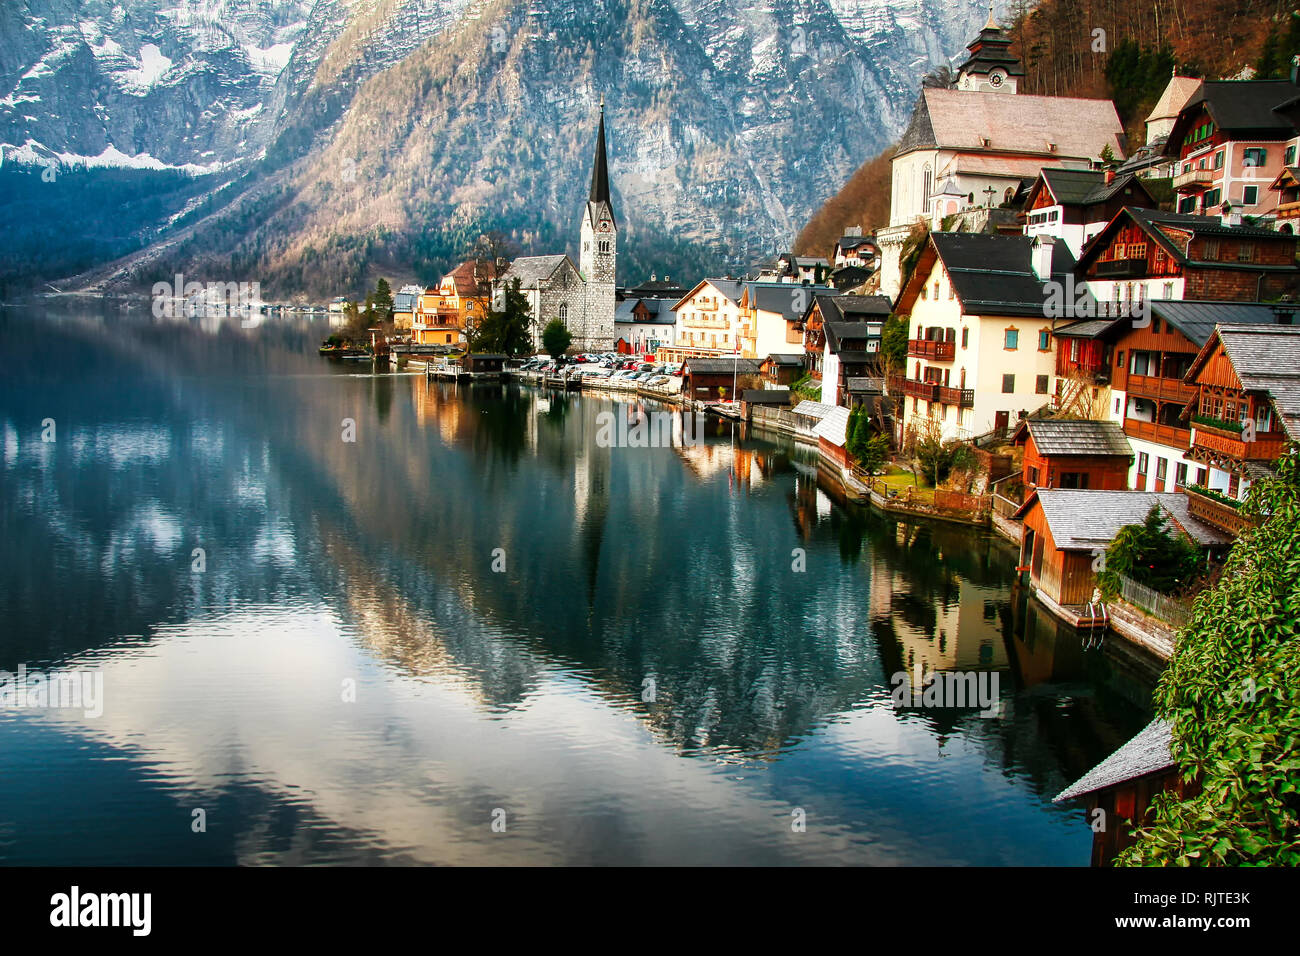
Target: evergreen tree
{"points": [[556, 338], [505, 331]]}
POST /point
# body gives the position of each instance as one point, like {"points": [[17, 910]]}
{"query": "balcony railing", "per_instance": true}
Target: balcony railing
{"points": [[1216, 513], [961, 397], [1160, 388], [1158, 432], [1121, 268], [1288, 210], [706, 323], [1229, 443], [1193, 179], [932, 349]]}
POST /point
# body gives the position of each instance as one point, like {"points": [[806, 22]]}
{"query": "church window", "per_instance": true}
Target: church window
{"points": [[564, 312], [926, 177]]}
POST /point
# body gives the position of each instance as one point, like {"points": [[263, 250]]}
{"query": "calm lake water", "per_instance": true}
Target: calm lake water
{"points": [[642, 678]]}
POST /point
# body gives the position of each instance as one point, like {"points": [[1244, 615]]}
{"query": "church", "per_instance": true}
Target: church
{"points": [[976, 143], [581, 296]]}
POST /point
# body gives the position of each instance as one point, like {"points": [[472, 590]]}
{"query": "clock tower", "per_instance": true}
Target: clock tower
{"points": [[598, 254]]}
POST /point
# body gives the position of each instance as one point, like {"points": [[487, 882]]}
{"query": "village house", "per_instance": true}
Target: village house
{"points": [[1146, 254], [851, 368], [1137, 373], [1245, 410], [771, 312], [1065, 530], [869, 311], [973, 146], [1073, 453], [644, 325], [854, 250], [979, 353], [780, 369], [1075, 204], [1230, 143], [404, 303], [719, 379], [801, 270], [709, 320], [446, 313]]}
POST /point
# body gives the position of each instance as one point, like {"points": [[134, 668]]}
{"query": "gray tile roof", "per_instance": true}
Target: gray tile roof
{"points": [[818, 410], [786, 358], [1197, 320], [1267, 359], [766, 396], [788, 299], [1078, 437], [1088, 328], [717, 366], [530, 270], [992, 274], [1148, 752], [833, 426], [1081, 520]]}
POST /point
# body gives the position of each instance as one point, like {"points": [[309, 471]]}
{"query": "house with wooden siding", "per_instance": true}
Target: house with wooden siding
{"points": [[1245, 410], [979, 352], [1123, 785], [1073, 453], [719, 379], [1144, 254], [1066, 530], [1075, 204]]}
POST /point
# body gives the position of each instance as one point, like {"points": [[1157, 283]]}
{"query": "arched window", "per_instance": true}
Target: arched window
{"points": [[564, 312], [926, 177]]}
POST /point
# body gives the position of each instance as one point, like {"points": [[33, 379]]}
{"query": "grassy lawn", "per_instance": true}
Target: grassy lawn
{"points": [[901, 481]]}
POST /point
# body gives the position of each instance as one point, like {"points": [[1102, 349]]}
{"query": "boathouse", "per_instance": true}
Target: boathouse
{"points": [[1065, 530], [484, 363], [1074, 453], [1122, 786], [718, 379]]}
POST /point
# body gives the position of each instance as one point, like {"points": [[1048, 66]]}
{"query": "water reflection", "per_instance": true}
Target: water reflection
{"points": [[642, 654]]}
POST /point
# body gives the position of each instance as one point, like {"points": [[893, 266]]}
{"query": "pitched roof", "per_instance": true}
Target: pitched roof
{"points": [[785, 298], [1177, 92], [1146, 753], [818, 410], [716, 366], [1197, 320], [838, 332], [766, 396], [731, 289], [1081, 520], [1076, 437], [1266, 358], [532, 270], [1165, 229], [786, 358], [991, 274], [833, 426], [600, 167], [1239, 107], [962, 119], [1088, 328]]}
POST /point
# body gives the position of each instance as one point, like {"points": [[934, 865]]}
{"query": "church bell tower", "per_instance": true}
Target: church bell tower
{"points": [[599, 253]]}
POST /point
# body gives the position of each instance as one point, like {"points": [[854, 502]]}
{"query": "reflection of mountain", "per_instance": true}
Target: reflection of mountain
{"points": [[621, 564]]}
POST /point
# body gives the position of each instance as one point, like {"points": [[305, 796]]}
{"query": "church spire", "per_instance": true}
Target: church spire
{"points": [[600, 169]]}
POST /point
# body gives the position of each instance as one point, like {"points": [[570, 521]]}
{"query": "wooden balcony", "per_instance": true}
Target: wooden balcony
{"points": [[1216, 513], [706, 323], [1229, 443], [1288, 210], [961, 397], [1162, 389], [1193, 180], [932, 349], [1120, 268], [1161, 434]]}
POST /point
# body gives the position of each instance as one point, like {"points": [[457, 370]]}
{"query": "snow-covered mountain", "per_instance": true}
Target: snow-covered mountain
{"points": [[730, 120]]}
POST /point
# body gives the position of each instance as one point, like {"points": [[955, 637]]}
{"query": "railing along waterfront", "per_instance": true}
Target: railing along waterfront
{"points": [[1172, 610]]}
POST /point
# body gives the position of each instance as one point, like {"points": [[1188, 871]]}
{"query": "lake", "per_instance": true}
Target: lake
{"points": [[476, 634]]}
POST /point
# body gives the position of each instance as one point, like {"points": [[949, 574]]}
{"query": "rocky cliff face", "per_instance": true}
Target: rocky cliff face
{"points": [[386, 133]]}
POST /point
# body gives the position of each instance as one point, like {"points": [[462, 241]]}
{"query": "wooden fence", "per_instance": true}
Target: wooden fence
{"points": [[959, 501], [1173, 610]]}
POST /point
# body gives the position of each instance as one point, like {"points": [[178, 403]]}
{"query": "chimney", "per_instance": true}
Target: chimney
{"points": [[1110, 175], [1040, 256]]}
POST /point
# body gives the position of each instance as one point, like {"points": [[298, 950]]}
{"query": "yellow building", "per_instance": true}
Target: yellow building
{"points": [[445, 313]]}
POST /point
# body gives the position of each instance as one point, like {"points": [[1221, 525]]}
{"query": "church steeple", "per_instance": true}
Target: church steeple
{"points": [[991, 66], [600, 168]]}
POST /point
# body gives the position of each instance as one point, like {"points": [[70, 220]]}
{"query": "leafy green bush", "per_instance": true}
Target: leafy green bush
{"points": [[1152, 554], [1229, 694]]}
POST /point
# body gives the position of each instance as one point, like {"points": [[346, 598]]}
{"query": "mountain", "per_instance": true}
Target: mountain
{"points": [[311, 145]]}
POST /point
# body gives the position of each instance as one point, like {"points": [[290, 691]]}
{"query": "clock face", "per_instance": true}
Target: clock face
{"points": [[604, 225], [996, 78]]}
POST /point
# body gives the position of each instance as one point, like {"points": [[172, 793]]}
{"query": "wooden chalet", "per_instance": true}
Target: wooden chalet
{"points": [[1123, 785], [1245, 410], [718, 379], [781, 368], [1074, 453], [1065, 529]]}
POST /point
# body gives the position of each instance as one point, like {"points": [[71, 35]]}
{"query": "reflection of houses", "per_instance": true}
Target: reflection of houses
{"points": [[979, 354], [1074, 453], [1245, 410], [1066, 530], [1123, 785], [958, 630]]}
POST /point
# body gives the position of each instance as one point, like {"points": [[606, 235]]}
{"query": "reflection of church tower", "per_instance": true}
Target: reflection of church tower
{"points": [[599, 251]]}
